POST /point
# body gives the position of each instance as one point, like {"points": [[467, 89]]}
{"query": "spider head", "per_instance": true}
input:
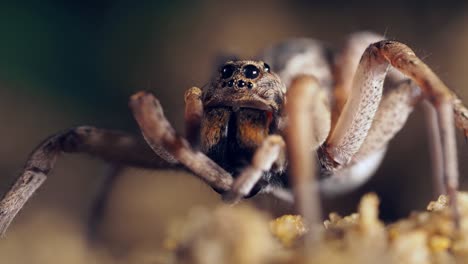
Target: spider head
{"points": [[246, 84], [242, 106]]}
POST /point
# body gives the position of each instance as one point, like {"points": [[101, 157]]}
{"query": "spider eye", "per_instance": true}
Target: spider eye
{"points": [[267, 67], [227, 71], [251, 71]]}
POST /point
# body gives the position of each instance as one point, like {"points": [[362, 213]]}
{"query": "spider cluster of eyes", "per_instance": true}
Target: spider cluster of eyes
{"points": [[248, 71]]}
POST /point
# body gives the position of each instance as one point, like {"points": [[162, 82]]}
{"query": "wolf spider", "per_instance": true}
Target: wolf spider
{"points": [[321, 123]]}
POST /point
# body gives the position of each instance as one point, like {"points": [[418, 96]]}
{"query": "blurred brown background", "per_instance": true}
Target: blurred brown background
{"points": [[67, 64]]}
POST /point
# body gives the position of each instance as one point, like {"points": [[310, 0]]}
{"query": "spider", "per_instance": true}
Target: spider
{"points": [[314, 122]]}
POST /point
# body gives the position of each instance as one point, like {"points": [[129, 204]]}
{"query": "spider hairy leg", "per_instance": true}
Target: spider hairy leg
{"points": [[404, 59], [111, 146], [354, 123], [158, 133], [396, 105], [345, 65], [356, 118]]}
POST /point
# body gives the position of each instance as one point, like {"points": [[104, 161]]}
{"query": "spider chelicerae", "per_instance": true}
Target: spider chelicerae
{"points": [[313, 122]]}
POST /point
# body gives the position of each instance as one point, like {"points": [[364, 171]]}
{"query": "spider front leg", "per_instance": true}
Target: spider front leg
{"points": [[193, 115], [159, 133], [112, 146]]}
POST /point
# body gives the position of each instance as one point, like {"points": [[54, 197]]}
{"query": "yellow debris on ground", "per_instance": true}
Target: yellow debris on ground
{"points": [[242, 234], [288, 229]]}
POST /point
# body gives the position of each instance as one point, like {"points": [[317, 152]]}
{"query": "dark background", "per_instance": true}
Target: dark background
{"points": [[64, 64]]}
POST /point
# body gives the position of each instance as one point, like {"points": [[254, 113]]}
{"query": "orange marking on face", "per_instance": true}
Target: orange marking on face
{"points": [[214, 123], [252, 135], [253, 127]]}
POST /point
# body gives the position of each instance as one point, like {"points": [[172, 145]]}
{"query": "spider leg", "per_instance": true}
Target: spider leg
{"points": [[270, 152], [394, 109], [158, 132], [354, 123], [306, 102], [99, 204], [112, 146], [398, 100], [435, 147], [193, 115], [397, 104], [442, 98], [345, 66], [356, 118]]}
